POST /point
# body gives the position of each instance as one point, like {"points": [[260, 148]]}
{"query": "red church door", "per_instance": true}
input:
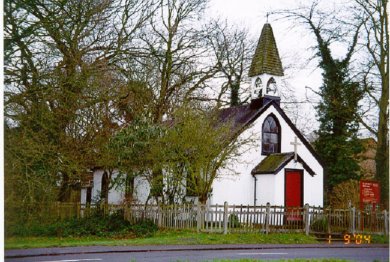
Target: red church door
{"points": [[293, 196]]}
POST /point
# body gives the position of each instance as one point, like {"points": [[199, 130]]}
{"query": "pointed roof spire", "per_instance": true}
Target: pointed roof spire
{"points": [[266, 58]]}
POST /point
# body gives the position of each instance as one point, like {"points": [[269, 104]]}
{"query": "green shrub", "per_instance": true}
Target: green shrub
{"points": [[32, 229], [320, 224], [94, 225], [234, 221], [144, 228]]}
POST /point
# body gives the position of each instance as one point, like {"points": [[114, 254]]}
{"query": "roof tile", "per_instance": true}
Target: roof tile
{"points": [[272, 163], [266, 58]]}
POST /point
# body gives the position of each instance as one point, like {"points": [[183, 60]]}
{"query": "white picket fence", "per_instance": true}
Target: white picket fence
{"points": [[239, 218], [266, 219]]}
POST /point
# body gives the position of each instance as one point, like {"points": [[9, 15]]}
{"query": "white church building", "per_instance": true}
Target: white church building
{"points": [[280, 167]]}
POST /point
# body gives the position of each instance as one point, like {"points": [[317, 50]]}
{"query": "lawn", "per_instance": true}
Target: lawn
{"points": [[284, 260], [161, 238]]}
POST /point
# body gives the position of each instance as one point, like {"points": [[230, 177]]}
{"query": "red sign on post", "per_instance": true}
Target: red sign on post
{"points": [[369, 193]]}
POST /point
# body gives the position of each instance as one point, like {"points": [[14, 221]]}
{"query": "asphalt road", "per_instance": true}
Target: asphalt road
{"points": [[203, 254]]}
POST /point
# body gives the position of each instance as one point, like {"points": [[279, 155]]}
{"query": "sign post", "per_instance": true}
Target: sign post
{"points": [[369, 194]]}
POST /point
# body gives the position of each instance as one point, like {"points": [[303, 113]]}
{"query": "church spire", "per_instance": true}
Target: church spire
{"points": [[266, 59], [266, 67]]}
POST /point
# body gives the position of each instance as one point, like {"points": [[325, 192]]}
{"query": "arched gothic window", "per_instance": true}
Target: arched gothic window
{"points": [[270, 136], [271, 86], [259, 86]]}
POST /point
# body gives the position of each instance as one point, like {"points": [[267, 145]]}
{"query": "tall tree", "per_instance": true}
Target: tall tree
{"points": [[340, 95], [61, 83], [193, 150], [175, 54], [131, 148], [233, 50], [376, 42]]}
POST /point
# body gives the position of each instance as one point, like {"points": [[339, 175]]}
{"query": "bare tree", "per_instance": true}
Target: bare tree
{"points": [[176, 54], [193, 150], [233, 50], [376, 82]]}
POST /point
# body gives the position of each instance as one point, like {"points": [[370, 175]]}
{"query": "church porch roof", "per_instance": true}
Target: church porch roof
{"points": [[273, 163]]}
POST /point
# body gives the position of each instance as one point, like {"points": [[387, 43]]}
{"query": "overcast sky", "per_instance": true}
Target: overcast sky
{"points": [[294, 42]]}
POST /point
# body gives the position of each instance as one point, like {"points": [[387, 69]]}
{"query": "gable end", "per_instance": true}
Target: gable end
{"points": [[299, 135], [291, 125]]}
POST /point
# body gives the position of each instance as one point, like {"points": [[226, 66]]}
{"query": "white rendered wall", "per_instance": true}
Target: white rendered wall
{"points": [[97, 184], [141, 189], [239, 188], [264, 81], [83, 196], [288, 136], [115, 195], [312, 185], [265, 189], [268, 191], [313, 188], [236, 190]]}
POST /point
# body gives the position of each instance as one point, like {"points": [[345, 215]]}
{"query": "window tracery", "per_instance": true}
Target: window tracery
{"points": [[270, 136]]}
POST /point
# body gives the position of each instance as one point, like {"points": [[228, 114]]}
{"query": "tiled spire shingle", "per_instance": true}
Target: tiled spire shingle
{"points": [[266, 58]]}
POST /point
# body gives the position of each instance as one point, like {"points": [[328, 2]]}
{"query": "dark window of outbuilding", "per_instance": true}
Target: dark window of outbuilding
{"points": [[104, 189], [271, 136], [129, 187], [89, 195]]}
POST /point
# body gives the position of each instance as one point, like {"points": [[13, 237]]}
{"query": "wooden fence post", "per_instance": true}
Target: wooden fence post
{"points": [[125, 212], [329, 212], [225, 218], [198, 217], [307, 219], [57, 207], [352, 220], [267, 218], [78, 210], [359, 220], [159, 216], [386, 221]]}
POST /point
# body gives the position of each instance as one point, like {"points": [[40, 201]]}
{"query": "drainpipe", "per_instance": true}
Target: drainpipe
{"points": [[254, 196]]}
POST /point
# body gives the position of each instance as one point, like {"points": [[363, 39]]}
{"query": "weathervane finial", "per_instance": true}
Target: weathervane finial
{"points": [[267, 16]]}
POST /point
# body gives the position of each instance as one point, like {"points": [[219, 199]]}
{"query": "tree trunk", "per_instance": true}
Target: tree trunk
{"points": [[382, 153], [64, 193], [203, 199], [234, 96]]}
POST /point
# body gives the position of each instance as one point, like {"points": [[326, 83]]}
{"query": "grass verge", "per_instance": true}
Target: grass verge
{"points": [[160, 238], [284, 260], [380, 239]]}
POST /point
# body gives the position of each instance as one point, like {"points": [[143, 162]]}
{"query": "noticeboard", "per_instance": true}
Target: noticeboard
{"points": [[369, 193]]}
